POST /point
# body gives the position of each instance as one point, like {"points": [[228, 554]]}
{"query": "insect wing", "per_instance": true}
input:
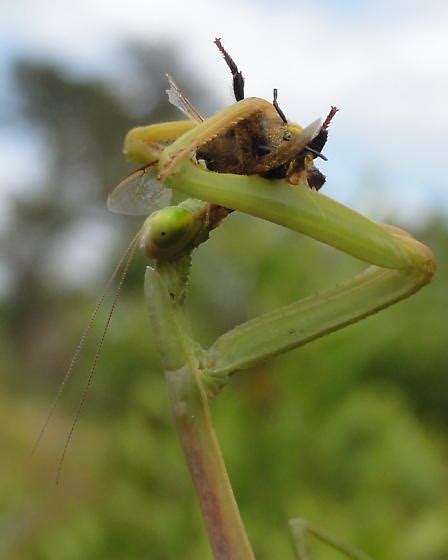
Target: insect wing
{"points": [[181, 101], [141, 193]]}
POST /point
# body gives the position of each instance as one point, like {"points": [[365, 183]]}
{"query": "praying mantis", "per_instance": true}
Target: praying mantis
{"points": [[250, 158]]}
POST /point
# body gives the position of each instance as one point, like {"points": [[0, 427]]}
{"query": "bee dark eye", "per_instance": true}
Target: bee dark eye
{"points": [[287, 135], [263, 150]]}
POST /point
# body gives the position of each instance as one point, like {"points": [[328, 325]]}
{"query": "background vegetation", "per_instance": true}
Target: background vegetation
{"points": [[349, 432]]}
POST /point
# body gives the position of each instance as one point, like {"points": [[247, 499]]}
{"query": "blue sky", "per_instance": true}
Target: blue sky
{"points": [[383, 63]]}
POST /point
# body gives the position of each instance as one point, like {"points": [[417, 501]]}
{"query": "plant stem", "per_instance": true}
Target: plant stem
{"points": [[164, 291], [347, 549], [300, 527]]}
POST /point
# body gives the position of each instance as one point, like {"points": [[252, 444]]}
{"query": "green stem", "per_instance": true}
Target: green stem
{"points": [[348, 550], [299, 533], [300, 528], [164, 291]]}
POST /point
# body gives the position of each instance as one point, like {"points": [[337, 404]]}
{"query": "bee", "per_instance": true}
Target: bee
{"points": [[265, 144], [261, 142]]}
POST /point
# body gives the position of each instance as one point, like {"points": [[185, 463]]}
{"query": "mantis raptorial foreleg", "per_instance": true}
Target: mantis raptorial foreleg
{"points": [[247, 138], [142, 144], [403, 265]]}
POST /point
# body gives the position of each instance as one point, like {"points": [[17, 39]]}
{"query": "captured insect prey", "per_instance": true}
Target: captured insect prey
{"points": [[257, 140], [266, 144]]}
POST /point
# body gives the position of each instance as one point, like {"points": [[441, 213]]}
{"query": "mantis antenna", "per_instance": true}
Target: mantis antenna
{"points": [[126, 257]]}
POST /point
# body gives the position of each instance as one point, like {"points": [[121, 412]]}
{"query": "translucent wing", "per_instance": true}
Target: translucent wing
{"points": [[181, 101], [141, 193]]}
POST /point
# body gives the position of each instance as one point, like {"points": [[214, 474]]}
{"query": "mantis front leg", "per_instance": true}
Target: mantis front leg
{"points": [[142, 144], [402, 265]]}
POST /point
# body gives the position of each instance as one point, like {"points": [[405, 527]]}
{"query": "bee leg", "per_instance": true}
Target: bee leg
{"points": [[329, 118], [317, 144], [316, 178], [302, 171], [281, 114], [316, 154], [238, 79]]}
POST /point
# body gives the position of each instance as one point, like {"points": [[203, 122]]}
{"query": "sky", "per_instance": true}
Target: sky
{"points": [[384, 64]]}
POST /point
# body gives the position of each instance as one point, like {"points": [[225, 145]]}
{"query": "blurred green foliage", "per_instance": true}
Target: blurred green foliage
{"points": [[349, 432]]}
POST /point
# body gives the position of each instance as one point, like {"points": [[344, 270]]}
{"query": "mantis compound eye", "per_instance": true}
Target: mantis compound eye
{"points": [[168, 232]]}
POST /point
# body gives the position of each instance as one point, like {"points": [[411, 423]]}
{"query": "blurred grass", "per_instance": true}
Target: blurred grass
{"points": [[349, 432]]}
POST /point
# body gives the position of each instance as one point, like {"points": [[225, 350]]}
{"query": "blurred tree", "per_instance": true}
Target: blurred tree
{"points": [[82, 124]]}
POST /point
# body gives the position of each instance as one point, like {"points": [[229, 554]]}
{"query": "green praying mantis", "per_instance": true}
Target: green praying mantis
{"points": [[250, 158]]}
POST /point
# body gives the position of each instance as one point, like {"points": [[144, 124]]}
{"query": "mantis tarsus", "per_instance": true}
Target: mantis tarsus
{"points": [[270, 178]]}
